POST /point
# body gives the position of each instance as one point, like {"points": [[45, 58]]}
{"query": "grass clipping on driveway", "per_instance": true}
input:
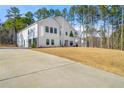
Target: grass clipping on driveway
{"points": [[106, 59]]}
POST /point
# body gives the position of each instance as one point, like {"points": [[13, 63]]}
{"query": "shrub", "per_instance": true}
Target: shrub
{"points": [[33, 45]]}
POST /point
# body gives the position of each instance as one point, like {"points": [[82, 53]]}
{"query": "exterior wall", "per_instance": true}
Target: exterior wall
{"points": [[37, 31], [24, 36], [65, 28], [43, 35], [22, 39]]}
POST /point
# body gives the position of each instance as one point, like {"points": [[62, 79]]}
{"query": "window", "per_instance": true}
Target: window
{"points": [[71, 43], [35, 41], [71, 34], [51, 30], [52, 42], [47, 42], [66, 33], [47, 29], [55, 30]]}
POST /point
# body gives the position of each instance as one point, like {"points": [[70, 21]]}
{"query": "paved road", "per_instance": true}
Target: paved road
{"points": [[26, 68]]}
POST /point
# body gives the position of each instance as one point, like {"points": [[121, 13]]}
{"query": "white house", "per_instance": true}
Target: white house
{"points": [[49, 32]]}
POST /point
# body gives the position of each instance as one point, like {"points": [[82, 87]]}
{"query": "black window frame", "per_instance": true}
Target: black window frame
{"points": [[52, 42], [47, 42], [66, 33], [51, 29], [35, 41], [71, 43], [55, 30], [46, 29]]}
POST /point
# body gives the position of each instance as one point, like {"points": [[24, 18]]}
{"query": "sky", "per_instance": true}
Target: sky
{"points": [[24, 8]]}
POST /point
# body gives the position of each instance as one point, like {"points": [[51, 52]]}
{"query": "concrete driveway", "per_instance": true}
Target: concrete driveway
{"points": [[26, 68]]}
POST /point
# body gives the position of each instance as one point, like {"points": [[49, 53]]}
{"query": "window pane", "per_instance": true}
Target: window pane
{"points": [[55, 30], [52, 42], [47, 29], [47, 41], [66, 33], [51, 30], [35, 41], [71, 43]]}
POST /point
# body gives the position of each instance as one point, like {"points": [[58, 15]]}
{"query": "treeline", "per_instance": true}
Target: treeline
{"points": [[100, 26]]}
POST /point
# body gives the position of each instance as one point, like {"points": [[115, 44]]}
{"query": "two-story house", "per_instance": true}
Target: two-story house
{"points": [[49, 32]]}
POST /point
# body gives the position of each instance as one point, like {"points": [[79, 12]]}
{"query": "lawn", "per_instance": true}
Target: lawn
{"points": [[6, 45], [106, 59]]}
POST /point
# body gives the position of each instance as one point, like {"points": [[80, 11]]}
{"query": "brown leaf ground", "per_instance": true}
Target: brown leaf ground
{"points": [[106, 59]]}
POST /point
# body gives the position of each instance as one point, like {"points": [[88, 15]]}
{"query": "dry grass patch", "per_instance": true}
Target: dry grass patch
{"points": [[107, 59], [7, 45]]}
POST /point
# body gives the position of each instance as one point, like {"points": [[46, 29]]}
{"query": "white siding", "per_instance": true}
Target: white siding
{"points": [[65, 28], [28, 33], [37, 30], [50, 22]]}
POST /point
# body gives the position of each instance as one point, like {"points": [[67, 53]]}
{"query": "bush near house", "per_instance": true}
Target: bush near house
{"points": [[33, 45]]}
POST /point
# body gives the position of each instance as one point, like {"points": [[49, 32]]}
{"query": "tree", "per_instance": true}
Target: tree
{"points": [[72, 14], [104, 13], [57, 12], [29, 18], [0, 31], [113, 14], [122, 27], [11, 24], [42, 13], [12, 14], [92, 21], [52, 12], [81, 17], [65, 13]]}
